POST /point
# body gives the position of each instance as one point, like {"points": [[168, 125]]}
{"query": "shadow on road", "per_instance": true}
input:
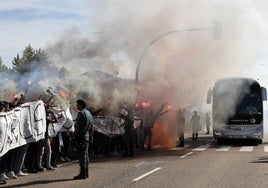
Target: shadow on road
{"points": [[39, 182], [260, 160]]}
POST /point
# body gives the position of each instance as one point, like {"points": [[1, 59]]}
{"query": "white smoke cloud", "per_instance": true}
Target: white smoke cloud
{"points": [[178, 68]]}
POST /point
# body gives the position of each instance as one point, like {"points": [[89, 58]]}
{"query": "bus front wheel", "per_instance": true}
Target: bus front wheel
{"points": [[219, 141]]}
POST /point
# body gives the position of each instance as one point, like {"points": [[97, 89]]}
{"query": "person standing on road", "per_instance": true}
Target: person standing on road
{"points": [[195, 124], [128, 137], [83, 135], [2, 175], [150, 119], [181, 122], [50, 118], [207, 123]]}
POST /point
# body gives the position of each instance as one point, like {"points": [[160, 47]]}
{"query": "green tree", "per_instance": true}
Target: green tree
{"points": [[63, 72], [30, 59], [3, 67]]}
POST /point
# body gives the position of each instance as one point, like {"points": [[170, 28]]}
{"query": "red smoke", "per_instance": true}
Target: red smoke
{"points": [[163, 135]]}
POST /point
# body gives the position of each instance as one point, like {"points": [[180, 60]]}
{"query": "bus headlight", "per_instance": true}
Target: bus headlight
{"points": [[252, 120], [217, 132], [257, 133]]}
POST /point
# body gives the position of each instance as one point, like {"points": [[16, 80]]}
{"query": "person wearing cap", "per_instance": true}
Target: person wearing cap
{"points": [[83, 135]]}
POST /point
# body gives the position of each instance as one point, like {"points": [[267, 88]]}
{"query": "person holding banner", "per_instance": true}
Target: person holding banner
{"points": [[50, 118], [83, 135]]}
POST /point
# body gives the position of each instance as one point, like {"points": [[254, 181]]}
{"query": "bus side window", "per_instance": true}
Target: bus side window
{"points": [[264, 93]]}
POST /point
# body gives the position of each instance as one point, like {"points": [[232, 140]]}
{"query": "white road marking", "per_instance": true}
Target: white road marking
{"points": [[220, 148], [265, 148], [223, 148], [246, 149], [180, 148], [202, 147], [187, 154], [148, 173]]}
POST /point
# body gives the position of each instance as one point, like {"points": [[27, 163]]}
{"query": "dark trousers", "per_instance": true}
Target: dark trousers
{"points": [[31, 159], [207, 129], [148, 134], [82, 146], [55, 149], [128, 140], [181, 138], [195, 135]]}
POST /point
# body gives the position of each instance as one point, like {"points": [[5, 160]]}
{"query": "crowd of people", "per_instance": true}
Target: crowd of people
{"points": [[194, 123], [46, 153], [37, 156]]}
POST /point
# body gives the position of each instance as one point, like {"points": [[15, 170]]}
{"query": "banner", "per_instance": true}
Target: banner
{"points": [[65, 123], [27, 124], [111, 125], [108, 125], [22, 125]]}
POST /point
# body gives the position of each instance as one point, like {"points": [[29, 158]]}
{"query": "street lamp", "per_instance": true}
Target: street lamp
{"points": [[217, 32]]}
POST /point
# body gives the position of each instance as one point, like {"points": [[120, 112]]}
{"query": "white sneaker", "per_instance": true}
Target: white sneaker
{"points": [[67, 159], [11, 175], [4, 176], [62, 159], [50, 168], [20, 173], [2, 180]]}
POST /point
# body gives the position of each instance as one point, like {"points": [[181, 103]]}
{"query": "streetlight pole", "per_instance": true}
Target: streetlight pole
{"points": [[217, 34]]}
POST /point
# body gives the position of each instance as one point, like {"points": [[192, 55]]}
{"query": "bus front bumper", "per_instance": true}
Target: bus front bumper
{"points": [[241, 134]]}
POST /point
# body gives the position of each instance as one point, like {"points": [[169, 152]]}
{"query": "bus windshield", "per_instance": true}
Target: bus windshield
{"points": [[236, 101]]}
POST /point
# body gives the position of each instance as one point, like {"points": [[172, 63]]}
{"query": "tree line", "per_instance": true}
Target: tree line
{"points": [[30, 59]]}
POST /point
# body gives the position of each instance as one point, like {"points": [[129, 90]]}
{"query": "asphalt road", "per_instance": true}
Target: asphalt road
{"points": [[202, 163]]}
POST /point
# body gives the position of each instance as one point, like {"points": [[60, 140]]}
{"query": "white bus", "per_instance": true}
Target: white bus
{"points": [[237, 109]]}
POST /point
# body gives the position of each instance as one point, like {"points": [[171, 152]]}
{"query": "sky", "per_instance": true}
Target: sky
{"points": [[114, 35], [36, 22]]}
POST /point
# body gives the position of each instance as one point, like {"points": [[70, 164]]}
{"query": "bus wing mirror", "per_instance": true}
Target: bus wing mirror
{"points": [[264, 93], [209, 96]]}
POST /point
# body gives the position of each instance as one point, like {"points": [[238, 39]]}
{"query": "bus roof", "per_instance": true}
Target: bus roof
{"points": [[236, 79]]}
